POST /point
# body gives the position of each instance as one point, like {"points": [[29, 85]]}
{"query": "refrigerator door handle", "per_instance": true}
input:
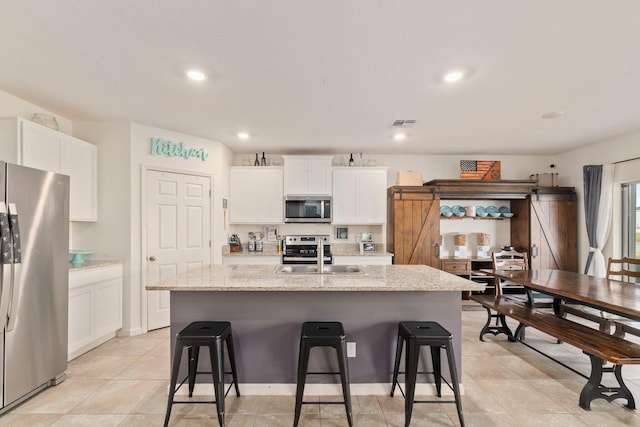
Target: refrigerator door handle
{"points": [[5, 267], [17, 265]]}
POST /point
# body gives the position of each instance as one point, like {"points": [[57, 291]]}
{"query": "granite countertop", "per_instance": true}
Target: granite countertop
{"points": [[94, 264], [354, 250], [376, 278]]}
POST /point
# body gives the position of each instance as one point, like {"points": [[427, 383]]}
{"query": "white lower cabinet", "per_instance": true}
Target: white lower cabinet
{"points": [[362, 260], [95, 307]]}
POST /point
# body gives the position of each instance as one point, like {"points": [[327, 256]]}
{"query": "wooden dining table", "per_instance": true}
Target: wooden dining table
{"points": [[613, 296]]}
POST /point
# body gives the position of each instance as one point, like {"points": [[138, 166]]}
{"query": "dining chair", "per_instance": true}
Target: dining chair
{"points": [[514, 260]]}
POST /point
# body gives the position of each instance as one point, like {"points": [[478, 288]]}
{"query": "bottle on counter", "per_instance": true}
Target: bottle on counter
{"points": [[257, 162], [263, 160], [351, 162]]}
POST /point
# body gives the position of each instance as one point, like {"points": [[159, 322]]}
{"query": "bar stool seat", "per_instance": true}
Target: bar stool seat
{"points": [[416, 335], [192, 337], [323, 334]]}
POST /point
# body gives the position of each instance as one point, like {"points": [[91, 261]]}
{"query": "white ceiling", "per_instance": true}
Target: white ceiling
{"points": [[332, 76]]}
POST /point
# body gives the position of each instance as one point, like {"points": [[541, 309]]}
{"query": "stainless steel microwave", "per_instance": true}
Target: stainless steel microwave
{"points": [[309, 209]]}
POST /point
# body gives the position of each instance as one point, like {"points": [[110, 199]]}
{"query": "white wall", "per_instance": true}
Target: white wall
{"points": [[442, 166], [13, 106], [123, 152], [217, 165], [109, 237], [615, 149]]}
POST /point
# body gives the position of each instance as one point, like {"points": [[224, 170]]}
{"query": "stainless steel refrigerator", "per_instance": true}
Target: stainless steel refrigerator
{"points": [[34, 281]]}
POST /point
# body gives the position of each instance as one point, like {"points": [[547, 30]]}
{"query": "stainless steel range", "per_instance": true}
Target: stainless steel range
{"points": [[304, 249]]}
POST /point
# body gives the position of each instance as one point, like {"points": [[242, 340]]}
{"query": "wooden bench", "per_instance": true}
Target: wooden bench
{"points": [[599, 345]]}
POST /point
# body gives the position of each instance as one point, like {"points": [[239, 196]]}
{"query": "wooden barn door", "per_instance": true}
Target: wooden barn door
{"points": [[414, 227], [545, 225]]}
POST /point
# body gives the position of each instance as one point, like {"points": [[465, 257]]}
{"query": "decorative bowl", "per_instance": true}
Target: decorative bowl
{"points": [[495, 214], [482, 214], [460, 214], [447, 214], [507, 214]]}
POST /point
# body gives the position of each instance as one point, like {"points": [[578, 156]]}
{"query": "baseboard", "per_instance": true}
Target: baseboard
{"points": [[130, 332], [366, 389]]}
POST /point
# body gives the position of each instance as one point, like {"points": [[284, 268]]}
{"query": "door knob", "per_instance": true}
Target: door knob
{"points": [[152, 258]]}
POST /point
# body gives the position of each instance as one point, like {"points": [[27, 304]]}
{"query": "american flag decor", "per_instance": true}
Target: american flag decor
{"points": [[488, 170]]}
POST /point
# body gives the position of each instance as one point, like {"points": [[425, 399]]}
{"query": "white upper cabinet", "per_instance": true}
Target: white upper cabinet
{"points": [[359, 195], [41, 147], [255, 195], [307, 175], [30, 144]]}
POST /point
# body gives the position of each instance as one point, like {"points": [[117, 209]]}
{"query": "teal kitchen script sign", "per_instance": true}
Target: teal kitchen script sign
{"points": [[162, 147]]}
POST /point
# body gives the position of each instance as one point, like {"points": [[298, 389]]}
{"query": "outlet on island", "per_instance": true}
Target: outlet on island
{"points": [[351, 349]]}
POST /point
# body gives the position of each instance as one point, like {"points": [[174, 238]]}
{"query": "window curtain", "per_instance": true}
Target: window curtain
{"points": [[598, 206]]}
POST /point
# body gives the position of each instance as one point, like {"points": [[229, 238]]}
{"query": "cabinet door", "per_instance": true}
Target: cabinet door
{"points": [[319, 176], [80, 319], [371, 202], [107, 313], [344, 196], [414, 228], [295, 175], [255, 196], [553, 233], [269, 203], [242, 195], [307, 175], [40, 147], [79, 161]]}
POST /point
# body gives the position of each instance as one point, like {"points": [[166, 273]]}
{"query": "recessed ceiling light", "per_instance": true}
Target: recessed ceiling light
{"points": [[400, 136], [196, 75], [553, 115], [453, 76], [456, 74], [243, 135]]}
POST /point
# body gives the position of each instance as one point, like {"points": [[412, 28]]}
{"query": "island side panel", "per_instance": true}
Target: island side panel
{"points": [[266, 328]]}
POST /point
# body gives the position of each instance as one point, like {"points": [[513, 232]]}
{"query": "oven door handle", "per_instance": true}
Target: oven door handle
{"points": [[300, 258]]}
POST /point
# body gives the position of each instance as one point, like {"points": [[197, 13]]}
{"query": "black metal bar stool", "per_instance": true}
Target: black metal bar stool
{"points": [[417, 334], [323, 334], [194, 336]]}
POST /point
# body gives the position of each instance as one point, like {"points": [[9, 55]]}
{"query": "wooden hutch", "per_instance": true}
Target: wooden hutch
{"points": [[544, 224]]}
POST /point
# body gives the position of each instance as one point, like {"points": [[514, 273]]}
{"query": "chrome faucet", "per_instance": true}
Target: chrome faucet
{"points": [[320, 251]]}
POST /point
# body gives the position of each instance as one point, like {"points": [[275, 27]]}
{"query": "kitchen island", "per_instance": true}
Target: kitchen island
{"points": [[266, 309]]}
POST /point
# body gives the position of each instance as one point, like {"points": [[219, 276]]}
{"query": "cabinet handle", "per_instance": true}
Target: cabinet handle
{"points": [[534, 250], [437, 250], [152, 258]]}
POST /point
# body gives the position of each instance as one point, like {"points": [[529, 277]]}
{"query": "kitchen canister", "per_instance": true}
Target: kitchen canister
{"points": [[470, 210], [460, 248], [484, 248]]}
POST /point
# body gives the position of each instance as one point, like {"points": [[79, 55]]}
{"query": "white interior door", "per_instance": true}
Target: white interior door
{"points": [[178, 233]]}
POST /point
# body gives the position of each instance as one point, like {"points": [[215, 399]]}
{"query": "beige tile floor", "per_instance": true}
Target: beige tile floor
{"points": [[124, 382]]}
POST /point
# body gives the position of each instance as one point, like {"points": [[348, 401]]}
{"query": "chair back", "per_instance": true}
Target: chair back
{"points": [[625, 269], [510, 260]]}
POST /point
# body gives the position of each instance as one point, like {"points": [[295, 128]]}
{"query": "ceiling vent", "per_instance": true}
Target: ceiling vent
{"points": [[403, 123]]}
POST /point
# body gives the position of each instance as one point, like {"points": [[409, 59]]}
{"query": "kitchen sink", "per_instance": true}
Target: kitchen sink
{"points": [[313, 269]]}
